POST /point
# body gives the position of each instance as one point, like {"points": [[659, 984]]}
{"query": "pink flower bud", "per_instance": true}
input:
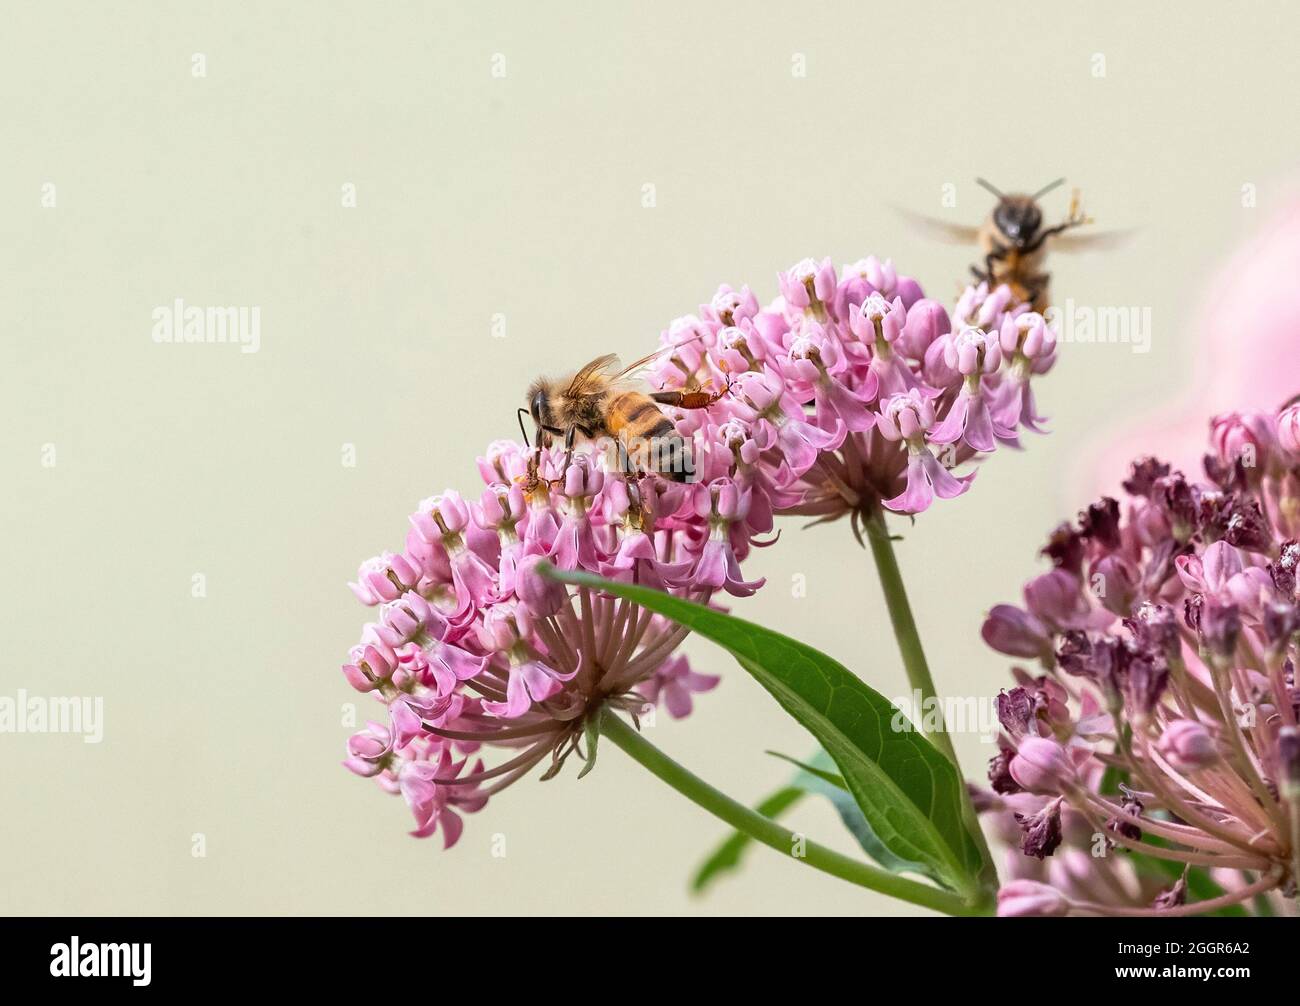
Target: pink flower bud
{"points": [[881, 275], [1056, 597], [1016, 632], [1288, 763], [542, 595], [499, 630], [1187, 745], [1114, 581], [926, 321], [1248, 437], [1041, 766], [1288, 431]]}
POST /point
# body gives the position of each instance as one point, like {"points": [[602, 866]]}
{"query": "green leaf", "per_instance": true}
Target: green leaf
{"points": [[816, 777], [907, 790], [728, 855]]}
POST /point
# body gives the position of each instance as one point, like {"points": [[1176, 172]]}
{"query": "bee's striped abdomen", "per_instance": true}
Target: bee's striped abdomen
{"points": [[647, 436], [631, 413]]}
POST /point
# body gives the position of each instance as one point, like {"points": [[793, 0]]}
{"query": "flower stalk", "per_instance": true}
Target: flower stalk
{"points": [[916, 666], [900, 616]]}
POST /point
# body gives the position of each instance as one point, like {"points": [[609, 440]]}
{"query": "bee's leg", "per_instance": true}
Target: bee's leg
{"points": [[633, 492], [1051, 232], [690, 399], [1036, 288], [997, 254], [626, 463], [570, 438], [1073, 219], [570, 441]]}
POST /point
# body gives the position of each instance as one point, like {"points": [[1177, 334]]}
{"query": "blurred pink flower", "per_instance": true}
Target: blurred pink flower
{"points": [[1245, 345]]}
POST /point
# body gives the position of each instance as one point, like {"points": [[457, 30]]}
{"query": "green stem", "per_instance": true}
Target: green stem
{"points": [[770, 833], [918, 669]]}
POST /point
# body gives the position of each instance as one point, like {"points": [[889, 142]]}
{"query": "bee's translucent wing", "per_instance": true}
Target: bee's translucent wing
{"points": [[940, 230], [1090, 240], [636, 365], [600, 365], [607, 366]]}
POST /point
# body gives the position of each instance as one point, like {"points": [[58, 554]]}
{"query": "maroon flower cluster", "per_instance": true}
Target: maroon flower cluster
{"points": [[1163, 716]]}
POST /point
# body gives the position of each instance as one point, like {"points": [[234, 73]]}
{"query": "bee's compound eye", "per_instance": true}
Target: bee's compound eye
{"points": [[1033, 220], [538, 406], [1007, 220]]}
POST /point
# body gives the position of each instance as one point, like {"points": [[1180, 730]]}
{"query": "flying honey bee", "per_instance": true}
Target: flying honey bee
{"points": [[602, 400], [1013, 241]]}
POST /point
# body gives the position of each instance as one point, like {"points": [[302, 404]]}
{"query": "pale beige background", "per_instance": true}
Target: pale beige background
{"points": [[521, 196]]}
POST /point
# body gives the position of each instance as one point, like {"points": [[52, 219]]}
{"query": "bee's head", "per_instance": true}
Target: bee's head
{"points": [[1017, 219], [538, 402], [539, 405]]}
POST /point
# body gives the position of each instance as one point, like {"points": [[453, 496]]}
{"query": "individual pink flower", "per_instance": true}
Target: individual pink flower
{"points": [[908, 417], [1029, 343], [972, 353], [809, 286], [386, 577], [438, 793], [673, 684]]}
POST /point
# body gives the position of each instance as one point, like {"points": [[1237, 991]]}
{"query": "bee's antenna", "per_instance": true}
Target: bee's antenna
{"points": [[520, 416], [1047, 188], [985, 185]]}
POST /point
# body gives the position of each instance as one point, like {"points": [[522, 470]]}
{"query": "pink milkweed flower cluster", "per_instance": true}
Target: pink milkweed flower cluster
{"points": [[838, 396], [474, 650], [1165, 704], [854, 390]]}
